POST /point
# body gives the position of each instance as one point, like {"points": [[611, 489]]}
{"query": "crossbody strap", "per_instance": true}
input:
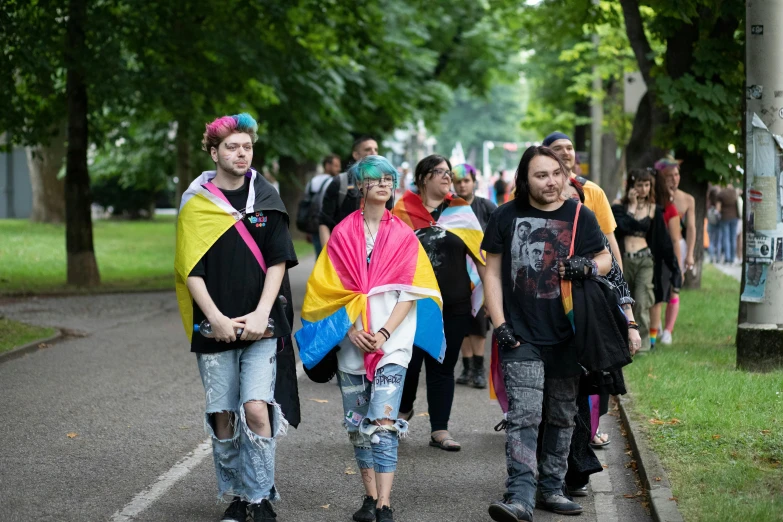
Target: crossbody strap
{"points": [[244, 233]]}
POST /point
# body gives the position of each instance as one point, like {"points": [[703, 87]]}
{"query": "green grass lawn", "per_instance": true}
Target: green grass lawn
{"points": [[132, 255], [13, 334], [717, 430]]}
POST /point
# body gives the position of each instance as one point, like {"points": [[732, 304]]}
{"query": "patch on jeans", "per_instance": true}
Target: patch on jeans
{"points": [[362, 399], [354, 418], [228, 474]]}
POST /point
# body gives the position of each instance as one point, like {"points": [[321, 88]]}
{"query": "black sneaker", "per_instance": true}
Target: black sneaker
{"points": [[578, 491], [385, 514], [262, 512], [236, 512], [558, 503], [366, 513], [509, 511]]}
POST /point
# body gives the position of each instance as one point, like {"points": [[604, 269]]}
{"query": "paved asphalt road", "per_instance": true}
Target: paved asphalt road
{"points": [[107, 425]]}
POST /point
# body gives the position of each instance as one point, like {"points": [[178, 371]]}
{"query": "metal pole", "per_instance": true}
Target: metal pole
{"points": [[596, 117], [760, 338]]}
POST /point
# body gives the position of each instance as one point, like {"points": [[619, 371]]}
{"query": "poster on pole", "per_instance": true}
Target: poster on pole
{"points": [[760, 249], [764, 198], [755, 283]]}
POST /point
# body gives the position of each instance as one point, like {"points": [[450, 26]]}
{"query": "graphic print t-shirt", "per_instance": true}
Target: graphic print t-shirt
{"points": [[232, 275], [532, 242]]}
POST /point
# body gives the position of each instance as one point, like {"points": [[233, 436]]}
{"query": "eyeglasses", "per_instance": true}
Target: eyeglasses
{"points": [[386, 181], [444, 173]]}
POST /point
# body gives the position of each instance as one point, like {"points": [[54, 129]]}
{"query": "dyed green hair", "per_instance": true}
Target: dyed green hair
{"points": [[373, 167]]}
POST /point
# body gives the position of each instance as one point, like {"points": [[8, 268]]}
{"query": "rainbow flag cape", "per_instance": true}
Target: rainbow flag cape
{"points": [[203, 218], [342, 281], [459, 219]]}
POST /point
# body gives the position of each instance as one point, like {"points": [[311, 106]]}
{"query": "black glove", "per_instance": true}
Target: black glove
{"points": [[578, 267], [505, 336]]}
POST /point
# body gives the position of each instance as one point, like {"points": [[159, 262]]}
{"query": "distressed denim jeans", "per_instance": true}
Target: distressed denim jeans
{"points": [[366, 401], [245, 463], [528, 387]]}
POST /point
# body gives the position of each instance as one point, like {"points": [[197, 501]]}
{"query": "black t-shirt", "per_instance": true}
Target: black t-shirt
{"points": [[232, 275], [332, 211], [447, 252], [483, 208], [532, 242]]}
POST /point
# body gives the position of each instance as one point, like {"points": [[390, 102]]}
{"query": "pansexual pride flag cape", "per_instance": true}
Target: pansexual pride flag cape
{"points": [[203, 217], [342, 280], [459, 219]]}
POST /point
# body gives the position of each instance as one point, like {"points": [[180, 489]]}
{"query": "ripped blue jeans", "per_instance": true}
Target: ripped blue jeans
{"points": [[366, 401], [244, 463]]}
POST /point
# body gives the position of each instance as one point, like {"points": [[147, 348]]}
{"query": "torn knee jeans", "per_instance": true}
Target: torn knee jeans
{"points": [[244, 463], [364, 401]]}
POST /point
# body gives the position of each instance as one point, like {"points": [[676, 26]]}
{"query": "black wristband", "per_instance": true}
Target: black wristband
{"points": [[633, 327], [505, 336], [385, 333]]}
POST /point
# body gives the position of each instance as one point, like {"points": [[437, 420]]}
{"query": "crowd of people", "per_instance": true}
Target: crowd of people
{"points": [[567, 283]]}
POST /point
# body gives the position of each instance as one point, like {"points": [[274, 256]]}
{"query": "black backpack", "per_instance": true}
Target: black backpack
{"points": [[309, 209]]}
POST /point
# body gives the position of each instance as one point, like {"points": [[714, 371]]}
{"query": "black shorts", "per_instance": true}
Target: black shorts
{"points": [[479, 325]]}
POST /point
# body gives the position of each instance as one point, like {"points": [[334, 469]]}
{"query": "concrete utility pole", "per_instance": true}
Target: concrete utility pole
{"points": [[596, 117], [760, 337]]}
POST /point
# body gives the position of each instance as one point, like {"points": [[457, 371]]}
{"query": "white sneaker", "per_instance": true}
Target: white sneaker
{"points": [[665, 338]]}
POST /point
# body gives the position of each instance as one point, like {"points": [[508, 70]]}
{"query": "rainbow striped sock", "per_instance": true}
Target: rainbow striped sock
{"points": [[653, 336]]}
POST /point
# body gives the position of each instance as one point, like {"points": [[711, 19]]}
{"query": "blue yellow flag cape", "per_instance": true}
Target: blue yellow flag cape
{"points": [[342, 280], [203, 218]]}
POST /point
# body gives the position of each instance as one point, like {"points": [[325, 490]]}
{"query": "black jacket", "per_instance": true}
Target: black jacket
{"points": [[600, 327], [286, 383], [658, 240]]}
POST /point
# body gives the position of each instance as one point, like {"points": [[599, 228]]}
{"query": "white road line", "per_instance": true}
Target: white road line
{"points": [[146, 498]]}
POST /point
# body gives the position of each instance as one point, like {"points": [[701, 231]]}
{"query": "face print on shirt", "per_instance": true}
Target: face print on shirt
{"points": [[431, 238], [536, 247]]}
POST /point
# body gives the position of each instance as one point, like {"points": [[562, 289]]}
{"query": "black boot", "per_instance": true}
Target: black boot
{"points": [[479, 379], [467, 372]]}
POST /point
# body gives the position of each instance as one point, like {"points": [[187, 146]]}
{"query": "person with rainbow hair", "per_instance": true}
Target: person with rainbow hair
{"points": [[374, 294], [473, 373], [233, 251]]}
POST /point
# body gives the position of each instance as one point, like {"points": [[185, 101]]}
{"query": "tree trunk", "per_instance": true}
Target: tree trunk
{"points": [[610, 181], [292, 178], [82, 267], [44, 163], [184, 168]]}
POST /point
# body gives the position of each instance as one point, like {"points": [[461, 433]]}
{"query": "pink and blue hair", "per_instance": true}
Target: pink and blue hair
{"points": [[463, 170], [373, 167], [225, 126]]}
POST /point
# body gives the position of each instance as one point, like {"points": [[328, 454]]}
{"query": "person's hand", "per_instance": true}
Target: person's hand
{"points": [[505, 337], [689, 263], [634, 340], [361, 339], [223, 329], [576, 267], [379, 339], [632, 196], [255, 324]]}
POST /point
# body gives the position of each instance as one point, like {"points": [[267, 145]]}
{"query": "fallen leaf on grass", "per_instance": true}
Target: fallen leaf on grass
{"points": [[716, 436], [320, 401], [72, 435], [656, 421], [765, 432], [326, 506], [651, 376], [674, 499]]}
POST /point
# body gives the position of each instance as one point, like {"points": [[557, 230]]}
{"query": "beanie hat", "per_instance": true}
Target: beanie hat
{"points": [[549, 140]]}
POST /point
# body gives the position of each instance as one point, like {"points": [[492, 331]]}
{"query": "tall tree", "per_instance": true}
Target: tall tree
{"points": [[700, 73]]}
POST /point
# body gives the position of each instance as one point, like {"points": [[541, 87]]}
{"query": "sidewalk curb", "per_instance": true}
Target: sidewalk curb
{"points": [[651, 472], [29, 347]]}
